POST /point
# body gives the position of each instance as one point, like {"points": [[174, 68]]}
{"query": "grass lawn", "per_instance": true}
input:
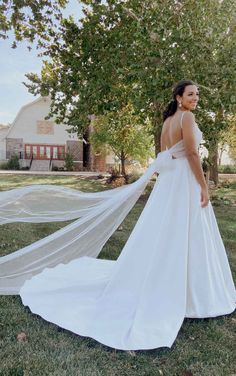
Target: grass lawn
{"points": [[204, 347]]}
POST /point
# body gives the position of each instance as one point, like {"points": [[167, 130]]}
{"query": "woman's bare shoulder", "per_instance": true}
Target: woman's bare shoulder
{"points": [[165, 123], [188, 118]]}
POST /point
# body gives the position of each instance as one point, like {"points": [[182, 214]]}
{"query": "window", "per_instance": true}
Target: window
{"points": [[34, 151], [28, 151], [48, 152], [54, 152], [41, 151]]}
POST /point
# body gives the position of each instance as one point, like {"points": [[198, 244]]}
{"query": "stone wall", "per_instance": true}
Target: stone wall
{"points": [[14, 146], [59, 164], [24, 163]]}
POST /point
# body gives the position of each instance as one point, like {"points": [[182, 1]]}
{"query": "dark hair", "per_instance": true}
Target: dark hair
{"points": [[173, 104]]}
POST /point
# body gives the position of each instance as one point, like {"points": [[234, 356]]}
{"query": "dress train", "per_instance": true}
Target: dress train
{"points": [[174, 264]]}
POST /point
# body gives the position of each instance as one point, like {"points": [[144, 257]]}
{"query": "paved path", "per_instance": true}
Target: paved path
{"points": [[85, 174]]}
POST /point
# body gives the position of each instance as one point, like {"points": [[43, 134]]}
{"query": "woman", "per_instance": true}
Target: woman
{"points": [[173, 266], [186, 94]]}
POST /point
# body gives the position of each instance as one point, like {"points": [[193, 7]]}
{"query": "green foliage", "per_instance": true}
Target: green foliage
{"points": [[126, 133], [4, 166], [132, 177], [131, 52], [134, 52], [69, 162], [31, 20], [227, 169], [227, 137], [11, 164]]}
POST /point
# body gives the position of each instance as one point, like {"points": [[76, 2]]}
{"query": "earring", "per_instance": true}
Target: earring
{"points": [[180, 104]]}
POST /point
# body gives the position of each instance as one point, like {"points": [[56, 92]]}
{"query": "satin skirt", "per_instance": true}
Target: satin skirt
{"points": [[174, 265]]}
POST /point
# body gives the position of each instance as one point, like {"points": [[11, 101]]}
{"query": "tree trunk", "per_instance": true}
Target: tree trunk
{"points": [[157, 140], [157, 127], [213, 159], [213, 147], [220, 156], [122, 159], [87, 150]]}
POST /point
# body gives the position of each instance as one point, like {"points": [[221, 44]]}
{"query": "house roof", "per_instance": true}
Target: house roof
{"points": [[22, 109]]}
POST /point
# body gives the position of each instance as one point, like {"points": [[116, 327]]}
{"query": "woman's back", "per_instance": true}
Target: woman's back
{"points": [[171, 130]]}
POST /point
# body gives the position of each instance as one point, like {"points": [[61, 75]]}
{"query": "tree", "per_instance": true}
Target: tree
{"points": [[125, 133], [29, 19], [228, 138], [134, 52], [232, 143], [220, 103]]}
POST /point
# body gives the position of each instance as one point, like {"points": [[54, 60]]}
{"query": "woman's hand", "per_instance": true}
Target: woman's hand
{"points": [[204, 197]]}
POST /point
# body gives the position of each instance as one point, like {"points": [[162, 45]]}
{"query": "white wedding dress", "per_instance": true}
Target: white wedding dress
{"points": [[174, 265]]}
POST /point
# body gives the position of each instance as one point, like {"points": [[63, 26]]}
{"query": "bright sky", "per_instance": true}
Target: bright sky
{"points": [[14, 63]]}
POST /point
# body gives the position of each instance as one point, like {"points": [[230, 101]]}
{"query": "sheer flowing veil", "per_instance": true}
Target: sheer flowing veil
{"points": [[97, 216]]}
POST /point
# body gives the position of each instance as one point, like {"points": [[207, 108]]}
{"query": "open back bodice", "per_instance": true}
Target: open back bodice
{"points": [[163, 161], [178, 149]]}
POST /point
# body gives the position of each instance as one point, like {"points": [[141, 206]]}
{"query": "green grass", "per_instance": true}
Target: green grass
{"points": [[76, 182], [203, 347]]}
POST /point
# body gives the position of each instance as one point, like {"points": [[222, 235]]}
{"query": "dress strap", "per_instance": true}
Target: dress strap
{"points": [[181, 119]]}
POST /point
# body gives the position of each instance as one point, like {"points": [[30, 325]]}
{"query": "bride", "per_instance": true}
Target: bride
{"points": [[174, 264]]}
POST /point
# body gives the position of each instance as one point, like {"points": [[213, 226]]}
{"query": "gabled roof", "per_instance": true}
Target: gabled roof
{"points": [[22, 109]]}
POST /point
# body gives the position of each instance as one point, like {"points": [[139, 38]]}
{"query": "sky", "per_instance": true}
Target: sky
{"points": [[14, 64]]}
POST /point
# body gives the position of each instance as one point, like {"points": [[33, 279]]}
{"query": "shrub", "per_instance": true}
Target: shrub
{"points": [[227, 169], [4, 166], [131, 178], [118, 182], [114, 174], [69, 162], [12, 164], [205, 164]]}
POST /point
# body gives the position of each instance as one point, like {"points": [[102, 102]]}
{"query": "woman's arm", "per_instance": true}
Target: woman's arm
{"points": [[188, 125]]}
